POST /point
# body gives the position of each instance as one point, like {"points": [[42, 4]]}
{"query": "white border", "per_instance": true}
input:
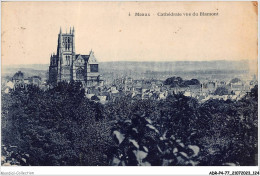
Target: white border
{"points": [[127, 170]]}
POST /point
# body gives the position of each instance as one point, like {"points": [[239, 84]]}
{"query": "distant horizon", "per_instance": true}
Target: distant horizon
{"points": [[187, 68], [242, 60], [157, 66]]}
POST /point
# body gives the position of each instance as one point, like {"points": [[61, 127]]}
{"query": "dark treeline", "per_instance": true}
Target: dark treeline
{"points": [[62, 127], [179, 82]]}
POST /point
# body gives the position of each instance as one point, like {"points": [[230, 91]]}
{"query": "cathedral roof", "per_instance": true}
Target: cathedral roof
{"points": [[85, 57]]}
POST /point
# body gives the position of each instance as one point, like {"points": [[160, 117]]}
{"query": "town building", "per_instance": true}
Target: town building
{"points": [[19, 81]]}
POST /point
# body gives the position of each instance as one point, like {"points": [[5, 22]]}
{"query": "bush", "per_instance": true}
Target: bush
{"points": [[55, 127], [61, 127], [140, 143]]}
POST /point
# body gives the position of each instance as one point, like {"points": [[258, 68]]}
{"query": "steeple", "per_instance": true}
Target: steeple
{"points": [[91, 52], [60, 30], [51, 60], [70, 30], [73, 30]]}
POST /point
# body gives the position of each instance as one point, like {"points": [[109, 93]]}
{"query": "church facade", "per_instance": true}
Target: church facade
{"points": [[68, 66]]}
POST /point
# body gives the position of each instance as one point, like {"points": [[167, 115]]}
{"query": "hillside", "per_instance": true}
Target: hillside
{"points": [[144, 69]]}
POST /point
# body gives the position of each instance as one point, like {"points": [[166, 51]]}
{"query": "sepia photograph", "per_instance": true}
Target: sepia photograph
{"points": [[129, 84]]}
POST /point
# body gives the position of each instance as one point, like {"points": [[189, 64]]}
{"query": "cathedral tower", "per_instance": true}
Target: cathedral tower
{"points": [[66, 65], [66, 55]]}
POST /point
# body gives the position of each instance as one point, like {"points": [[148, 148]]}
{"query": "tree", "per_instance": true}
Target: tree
{"points": [[60, 126], [55, 127], [179, 82], [221, 91], [235, 80]]}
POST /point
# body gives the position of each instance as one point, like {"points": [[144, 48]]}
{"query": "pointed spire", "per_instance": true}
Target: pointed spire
{"points": [[70, 30], [60, 30], [73, 30]]}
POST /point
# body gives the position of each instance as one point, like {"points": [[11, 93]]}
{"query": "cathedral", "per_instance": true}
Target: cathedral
{"points": [[67, 66]]}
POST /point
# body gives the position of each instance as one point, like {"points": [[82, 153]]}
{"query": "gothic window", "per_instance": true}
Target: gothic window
{"points": [[69, 43], [64, 42], [67, 60], [93, 67], [80, 73]]}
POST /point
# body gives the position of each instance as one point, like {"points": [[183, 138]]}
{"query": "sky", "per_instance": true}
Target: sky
{"points": [[30, 31]]}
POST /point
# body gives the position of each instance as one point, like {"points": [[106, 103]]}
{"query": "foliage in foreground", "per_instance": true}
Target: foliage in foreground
{"points": [[62, 127]]}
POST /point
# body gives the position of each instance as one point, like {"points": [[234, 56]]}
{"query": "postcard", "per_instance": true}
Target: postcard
{"points": [[129, 84]]}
